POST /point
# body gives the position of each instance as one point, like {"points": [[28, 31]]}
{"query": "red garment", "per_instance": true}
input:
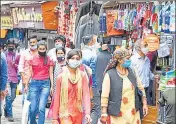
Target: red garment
{"points": [[83, 68], [40, 71], [72, 98]]}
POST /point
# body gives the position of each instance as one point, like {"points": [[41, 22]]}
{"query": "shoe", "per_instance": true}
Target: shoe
{"points": [[10, 119], [37, 116]]}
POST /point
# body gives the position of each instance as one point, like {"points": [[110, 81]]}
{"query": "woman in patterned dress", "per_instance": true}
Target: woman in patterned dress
{"points": [[60, 53], [124, 104]]}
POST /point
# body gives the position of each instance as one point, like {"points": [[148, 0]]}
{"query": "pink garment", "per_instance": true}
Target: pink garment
{"points": [[83, 68], [23, 63], [12, 65], [72, 97], [39, 70]]}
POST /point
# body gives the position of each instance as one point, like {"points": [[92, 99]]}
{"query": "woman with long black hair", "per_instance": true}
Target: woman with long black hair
{"points": [[41, 75]]}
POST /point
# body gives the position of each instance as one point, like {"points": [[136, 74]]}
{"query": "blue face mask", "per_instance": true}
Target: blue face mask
{"points": [[126, 64]]}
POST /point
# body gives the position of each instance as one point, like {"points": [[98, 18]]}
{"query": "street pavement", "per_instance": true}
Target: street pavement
{"points": [[17, 112]]}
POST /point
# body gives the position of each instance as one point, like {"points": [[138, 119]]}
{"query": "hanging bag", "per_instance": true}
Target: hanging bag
{"points": [[25, 112]]}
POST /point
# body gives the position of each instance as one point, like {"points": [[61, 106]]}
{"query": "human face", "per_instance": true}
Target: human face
{"points": [[60, 53], [11, 47], [59, 43], [60, 56], [33, 42], [125, 62], [75, 57], [42, 50], [144, 48], [74, 62]]}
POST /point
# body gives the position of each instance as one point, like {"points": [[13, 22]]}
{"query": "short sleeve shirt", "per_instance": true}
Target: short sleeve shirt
{"points": [[40, 71]]}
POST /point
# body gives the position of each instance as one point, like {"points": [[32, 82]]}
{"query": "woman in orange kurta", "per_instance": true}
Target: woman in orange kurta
{"points": [[72, 93]]}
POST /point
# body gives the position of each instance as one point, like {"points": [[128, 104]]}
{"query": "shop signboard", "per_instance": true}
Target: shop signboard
{"points": [[28, 17], [6, 18], [153, 42]]}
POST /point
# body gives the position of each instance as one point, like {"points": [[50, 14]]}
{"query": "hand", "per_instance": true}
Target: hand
{"points": [[104, 119], [145, 110], [55, 122], [157, 78], [88, 119], [25, 88], [3, 94], [51, 90]]}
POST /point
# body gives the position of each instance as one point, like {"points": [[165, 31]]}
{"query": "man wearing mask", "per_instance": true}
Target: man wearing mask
{"points": [[102, 61], [25, 57], [12, 82], [89, 59], [141, 63], [59, 41]]}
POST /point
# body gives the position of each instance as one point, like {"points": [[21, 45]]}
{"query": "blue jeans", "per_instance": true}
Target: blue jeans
{"points": [[12, 87], [96, 110], [39, 91]]}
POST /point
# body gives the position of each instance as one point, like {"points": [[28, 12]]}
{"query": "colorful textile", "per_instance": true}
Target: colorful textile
{"points": [[68, 98], [127, 114]]}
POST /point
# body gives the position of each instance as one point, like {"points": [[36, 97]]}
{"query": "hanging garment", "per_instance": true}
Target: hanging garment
{"points": [[72, 30], [86, 18], [84, 9], [111, 31], [85, 30], [172, 17]]}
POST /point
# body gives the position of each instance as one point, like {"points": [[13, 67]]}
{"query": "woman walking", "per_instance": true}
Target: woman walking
{"points": [[41, 75], [60, 54], [72, 93], [122, 80]]}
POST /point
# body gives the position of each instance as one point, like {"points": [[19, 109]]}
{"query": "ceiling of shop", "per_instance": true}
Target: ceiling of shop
{"points": [[21, 2]]}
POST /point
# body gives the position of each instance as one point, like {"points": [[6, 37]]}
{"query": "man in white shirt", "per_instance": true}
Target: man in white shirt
{"points": [[60, 41]]}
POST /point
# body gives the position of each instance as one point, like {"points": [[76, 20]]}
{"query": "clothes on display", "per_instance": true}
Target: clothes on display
{"points": [[84, 9], [88, 25]]}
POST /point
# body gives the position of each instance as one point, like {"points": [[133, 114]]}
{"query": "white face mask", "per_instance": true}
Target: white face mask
{"points": [[145, 50], [33, 47], [58, 45], [74, 63]]}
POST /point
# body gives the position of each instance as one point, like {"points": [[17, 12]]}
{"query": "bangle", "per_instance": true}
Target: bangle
{"points": [[105, 115]]}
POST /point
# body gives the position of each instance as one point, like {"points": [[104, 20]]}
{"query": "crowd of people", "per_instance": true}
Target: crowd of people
{"points": [[85, 85]]}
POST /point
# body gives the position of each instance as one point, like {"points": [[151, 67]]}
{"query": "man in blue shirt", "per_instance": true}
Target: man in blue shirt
{"points": [[141, 63], [89, 58], [3, 78]]}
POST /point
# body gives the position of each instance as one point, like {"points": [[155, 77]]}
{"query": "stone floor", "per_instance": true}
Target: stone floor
{"points": [[17, 113]]}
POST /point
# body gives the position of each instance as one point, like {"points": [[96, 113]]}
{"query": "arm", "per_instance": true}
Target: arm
{"points": [[56, 103], [140, 86], [29, 76], [3, 73], [17, 59], [93, 67], [51, 75], [105, 93], [86, 94], [21, 66]]}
